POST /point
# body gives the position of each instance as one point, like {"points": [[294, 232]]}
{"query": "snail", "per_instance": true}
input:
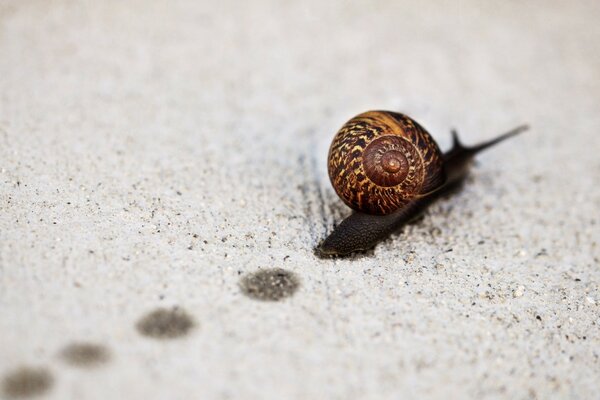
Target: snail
{"points": [[388, 169]]}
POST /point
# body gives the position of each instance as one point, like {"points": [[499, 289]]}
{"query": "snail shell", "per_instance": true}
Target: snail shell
{"points": [[379, 161]]}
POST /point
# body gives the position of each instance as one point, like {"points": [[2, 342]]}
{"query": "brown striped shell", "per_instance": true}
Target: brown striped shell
{"points": [[381, 160]]}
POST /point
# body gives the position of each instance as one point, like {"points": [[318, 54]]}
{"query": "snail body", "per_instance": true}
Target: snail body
{"points": [[388, 168]]}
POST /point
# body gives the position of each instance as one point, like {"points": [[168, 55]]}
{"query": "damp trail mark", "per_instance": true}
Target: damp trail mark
{"points": [[317, 184], [318, 236], [26, 382], [312, 194], [164, 323], [306, 201], [85, 355], [272, 284]]}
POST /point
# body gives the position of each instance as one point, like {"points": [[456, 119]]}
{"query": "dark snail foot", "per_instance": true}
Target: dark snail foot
{"points": [[361, 232], [325, 253]]}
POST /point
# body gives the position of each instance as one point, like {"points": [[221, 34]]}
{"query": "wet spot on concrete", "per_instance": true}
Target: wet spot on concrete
{"points": [[270, 284], [164, 323], [85, 354], [26, 382]]}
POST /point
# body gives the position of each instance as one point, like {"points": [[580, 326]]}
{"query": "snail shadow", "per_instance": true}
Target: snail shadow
{"points": [[418, 219]]}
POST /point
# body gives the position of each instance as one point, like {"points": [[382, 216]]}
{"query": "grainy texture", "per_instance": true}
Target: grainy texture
{"points": [[154, 152]]}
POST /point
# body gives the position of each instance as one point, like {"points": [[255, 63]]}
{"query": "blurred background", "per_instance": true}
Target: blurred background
{"points": [[156, 155]]}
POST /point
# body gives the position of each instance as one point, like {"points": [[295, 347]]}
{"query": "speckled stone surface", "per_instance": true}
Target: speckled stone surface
{"points": [[154, 153]]}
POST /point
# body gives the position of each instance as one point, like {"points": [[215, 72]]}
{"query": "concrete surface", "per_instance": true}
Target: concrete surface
{"points": [[154, 153]]}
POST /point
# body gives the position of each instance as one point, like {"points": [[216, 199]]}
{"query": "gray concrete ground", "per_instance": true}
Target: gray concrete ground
{"points": [[155, 153]]}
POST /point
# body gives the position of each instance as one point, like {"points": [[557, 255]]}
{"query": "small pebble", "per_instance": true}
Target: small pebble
{"points": [[518, 292]]}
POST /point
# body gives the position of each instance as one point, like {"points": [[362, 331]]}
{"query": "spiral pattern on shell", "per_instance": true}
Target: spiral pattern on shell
{"points": [[379, 161]]}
